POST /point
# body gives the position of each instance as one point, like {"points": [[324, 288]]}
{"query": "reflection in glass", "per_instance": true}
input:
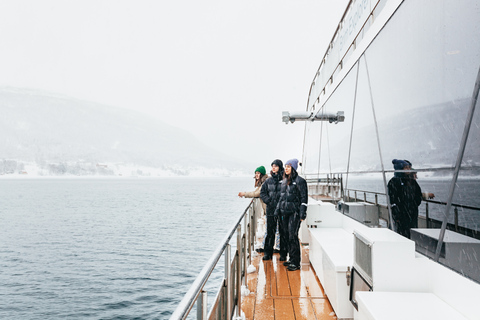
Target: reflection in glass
{"points": [[422, 108]]}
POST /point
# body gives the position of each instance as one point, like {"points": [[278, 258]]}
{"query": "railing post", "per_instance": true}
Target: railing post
{"points": [[364, 197], [239, 270], [328, 184], [427, 215], [455, 210], [228, 283], [253, 227], [355, 195], [341, 186], [202, 306], [376, 199], [221, 303], [245, 248]]}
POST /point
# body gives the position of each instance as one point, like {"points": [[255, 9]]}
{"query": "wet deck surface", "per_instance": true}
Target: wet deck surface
{"points": [[276, 293], [321, 197]]}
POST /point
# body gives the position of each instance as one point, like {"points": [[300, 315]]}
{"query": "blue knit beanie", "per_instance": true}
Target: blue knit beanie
{"points": [[399, 164], [292, 163]]}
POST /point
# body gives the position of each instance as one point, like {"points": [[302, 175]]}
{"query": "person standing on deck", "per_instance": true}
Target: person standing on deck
{"points": [[260, 177], [270, 194], [405, 196], [292, 210]]}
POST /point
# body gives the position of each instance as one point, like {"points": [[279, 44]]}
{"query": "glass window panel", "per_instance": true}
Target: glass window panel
{"points": [[336, 137], [471, 157], [467, 190], [367, 187], [422, 69], [430, 182], [364, 154], [311, 149]]}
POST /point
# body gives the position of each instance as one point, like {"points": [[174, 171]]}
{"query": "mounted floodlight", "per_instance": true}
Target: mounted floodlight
{"points": [[310, 116]]}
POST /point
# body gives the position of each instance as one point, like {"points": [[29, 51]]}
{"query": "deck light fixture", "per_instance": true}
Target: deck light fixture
{"points": [[311, 116]]}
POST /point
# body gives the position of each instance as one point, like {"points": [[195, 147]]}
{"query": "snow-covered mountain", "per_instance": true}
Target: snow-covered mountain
{"points": [[47, 134], [429, 137]]}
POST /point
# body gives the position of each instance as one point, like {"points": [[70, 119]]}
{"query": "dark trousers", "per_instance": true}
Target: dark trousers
{"points": [[403, 227], [289, 226], [270, 238]]}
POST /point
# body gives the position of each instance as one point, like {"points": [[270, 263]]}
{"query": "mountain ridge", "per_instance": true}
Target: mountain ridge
{"points": [[46, 130]]}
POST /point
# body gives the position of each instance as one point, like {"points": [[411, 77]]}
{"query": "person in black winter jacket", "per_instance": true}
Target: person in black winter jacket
{"points": [[292, 210], [405, 197], [270, 194]]}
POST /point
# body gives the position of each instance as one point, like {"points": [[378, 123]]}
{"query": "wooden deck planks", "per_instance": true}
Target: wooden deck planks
{"points": [[264, 310], [282, 294], [248, 303], [323, 309], [303, 309], [282, 282]]}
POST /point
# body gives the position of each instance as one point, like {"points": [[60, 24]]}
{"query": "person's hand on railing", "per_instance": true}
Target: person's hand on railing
{"points": [[427, 195]]}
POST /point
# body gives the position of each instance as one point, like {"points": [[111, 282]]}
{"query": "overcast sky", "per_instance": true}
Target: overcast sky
{"points": [[223, 70]]}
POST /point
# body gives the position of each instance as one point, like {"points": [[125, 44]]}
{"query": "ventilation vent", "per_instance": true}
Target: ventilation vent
{"points": [[363, 258]]}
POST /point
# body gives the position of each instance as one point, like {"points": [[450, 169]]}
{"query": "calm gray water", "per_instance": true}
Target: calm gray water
{"points": [[108, 248], [123, 248]]}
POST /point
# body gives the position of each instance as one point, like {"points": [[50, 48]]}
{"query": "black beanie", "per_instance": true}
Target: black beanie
{"points": [[279, 163]]}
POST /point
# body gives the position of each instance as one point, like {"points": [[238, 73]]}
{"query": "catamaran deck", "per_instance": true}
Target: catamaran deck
{"points": [[276, 293]]}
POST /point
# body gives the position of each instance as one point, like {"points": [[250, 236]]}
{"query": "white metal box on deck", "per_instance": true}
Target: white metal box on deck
{"points": [[319, 214], [331, 255], [382, 257], [322, 214], [459, 252], [362, 212], [404, 305]]}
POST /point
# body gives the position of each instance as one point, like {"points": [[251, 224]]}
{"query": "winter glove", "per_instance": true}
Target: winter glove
{"points": [[303, 212]]}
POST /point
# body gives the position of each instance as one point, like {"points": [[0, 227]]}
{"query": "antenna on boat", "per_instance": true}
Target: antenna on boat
{"points": [[310, 116]]}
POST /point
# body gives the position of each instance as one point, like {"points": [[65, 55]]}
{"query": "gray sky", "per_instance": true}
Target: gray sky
{"points": [[223, 70]]}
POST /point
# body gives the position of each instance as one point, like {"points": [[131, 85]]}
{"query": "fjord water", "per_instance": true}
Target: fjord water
{"points": [[108, 248]]}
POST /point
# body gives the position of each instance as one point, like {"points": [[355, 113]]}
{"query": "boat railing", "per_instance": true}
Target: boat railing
{"points": [[356, 195], [227, 300], [331, 186]]}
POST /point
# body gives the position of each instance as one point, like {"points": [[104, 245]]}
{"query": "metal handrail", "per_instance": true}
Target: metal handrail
{"points": [[425, 200], [433, 169], [429, 220], [197, 289]]}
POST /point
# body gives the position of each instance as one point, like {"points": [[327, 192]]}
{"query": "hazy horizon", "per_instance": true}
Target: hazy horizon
{"points": [[223, 71]]}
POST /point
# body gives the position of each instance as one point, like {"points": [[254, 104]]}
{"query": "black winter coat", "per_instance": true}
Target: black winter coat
{"points": [[270, 192], [293, 197], [405, 197]]}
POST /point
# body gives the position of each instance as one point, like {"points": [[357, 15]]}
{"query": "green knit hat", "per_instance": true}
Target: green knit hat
{"points": [[261, 169]]}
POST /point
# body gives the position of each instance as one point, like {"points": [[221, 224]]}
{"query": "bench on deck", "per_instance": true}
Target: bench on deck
{"points": [[331, 255], [404, 305], [331, 252], [428, 291]]}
